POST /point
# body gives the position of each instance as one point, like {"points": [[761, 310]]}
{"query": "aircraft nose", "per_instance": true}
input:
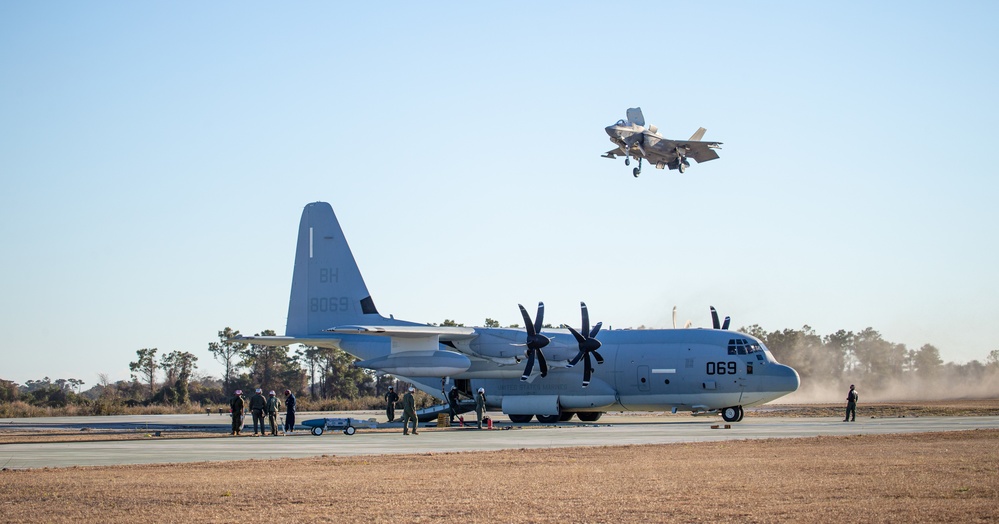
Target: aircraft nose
{"points": [[610, 131], [785, 378]]}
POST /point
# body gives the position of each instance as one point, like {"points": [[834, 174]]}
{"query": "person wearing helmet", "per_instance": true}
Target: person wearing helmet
{"points": [[851, 405], [289, 414], [480, 405], [273, 405], [390, 399], [409, 412], [236, 404], [258, 405], [453, 399]]}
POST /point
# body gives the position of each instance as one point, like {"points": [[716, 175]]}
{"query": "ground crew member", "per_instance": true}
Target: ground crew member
{"points": [[453, 400], [851, 405], [480, 405], [273, 405], [258, 404], [289, 415], [409, 412], [390, 399], [236, 405]]}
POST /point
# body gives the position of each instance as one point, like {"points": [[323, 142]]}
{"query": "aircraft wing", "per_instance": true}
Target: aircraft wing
{"points": [[613, 153], [445, 334], [699, 151], [703, 151]]}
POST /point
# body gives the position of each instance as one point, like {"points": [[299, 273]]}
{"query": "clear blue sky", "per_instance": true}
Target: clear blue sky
{"points": [[155, 158]]}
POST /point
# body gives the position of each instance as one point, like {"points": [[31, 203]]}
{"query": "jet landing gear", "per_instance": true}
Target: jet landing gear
{"points": [[732, 414], [638, 170]]}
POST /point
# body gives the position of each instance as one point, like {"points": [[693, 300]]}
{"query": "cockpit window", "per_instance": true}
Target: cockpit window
{"points": [[741, 346]]}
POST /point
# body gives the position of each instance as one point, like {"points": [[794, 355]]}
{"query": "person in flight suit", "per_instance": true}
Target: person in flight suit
{"points": [[480, 405], [453, 400], [409, 412], [258, 404], [390, 399], [273, 405], [851, 405], [236, 404], [289, 415]]}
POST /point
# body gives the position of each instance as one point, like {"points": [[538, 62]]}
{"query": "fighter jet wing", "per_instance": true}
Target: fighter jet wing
{"points": [[613, 153], [702, 151], [699, 151]]}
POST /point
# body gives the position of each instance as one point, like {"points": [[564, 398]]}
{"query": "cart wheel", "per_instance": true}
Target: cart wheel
{"points": [[350, 430], [317, 431]]}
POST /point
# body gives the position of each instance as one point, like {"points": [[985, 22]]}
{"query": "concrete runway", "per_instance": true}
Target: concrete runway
{"points": [[611, 430]]}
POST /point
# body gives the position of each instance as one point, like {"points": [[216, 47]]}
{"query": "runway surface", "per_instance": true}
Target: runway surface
{"points": [[611, 430]]}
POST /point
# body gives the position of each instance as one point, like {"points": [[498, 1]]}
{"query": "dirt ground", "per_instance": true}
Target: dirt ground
{"points": [[929, 477]]}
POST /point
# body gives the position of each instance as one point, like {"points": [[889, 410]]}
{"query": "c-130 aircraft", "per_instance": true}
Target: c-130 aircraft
{"points": [[697, 370]]}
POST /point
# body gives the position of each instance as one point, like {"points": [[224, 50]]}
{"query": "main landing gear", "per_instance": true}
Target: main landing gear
{"points": [[732, 414]]}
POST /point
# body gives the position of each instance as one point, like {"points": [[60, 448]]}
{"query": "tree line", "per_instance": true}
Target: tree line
{"points": [[325, 375]]}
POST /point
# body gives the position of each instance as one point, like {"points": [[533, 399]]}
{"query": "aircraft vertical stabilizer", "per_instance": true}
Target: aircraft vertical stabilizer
{"points": [[698, 135], [327, 289]]}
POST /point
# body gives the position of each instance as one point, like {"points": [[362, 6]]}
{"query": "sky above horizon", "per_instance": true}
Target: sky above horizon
{"points": [[155, 158]]}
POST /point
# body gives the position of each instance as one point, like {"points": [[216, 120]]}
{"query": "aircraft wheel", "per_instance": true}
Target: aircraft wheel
{"points": [[589, 416], [548, 419], [636, 172], [317, 431], [730, 414], [350, 430], [627, 162], [682, 167], [520, 419], [740, 415], [566, 416]]}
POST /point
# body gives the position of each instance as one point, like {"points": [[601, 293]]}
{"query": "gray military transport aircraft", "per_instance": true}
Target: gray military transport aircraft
{"points": [[634, 140], [698, 370]]}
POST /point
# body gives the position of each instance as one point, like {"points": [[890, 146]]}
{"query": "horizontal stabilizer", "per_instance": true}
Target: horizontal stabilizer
{"points": [[698, 135]]}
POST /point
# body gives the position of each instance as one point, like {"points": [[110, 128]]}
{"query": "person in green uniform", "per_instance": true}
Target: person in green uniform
{"points": [[390, 399], [409, 412], [851, 405], [258, 404], [480, 405], [236, 405], [273, 405]]}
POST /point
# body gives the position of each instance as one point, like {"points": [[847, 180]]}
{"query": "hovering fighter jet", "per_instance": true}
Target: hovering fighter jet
{"points": [[635, 140], [697, 370]]}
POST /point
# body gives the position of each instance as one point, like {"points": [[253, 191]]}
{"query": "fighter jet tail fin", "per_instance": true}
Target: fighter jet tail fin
{"points": [[698, 135]]}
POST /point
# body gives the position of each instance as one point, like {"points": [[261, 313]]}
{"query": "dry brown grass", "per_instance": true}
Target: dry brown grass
{"points": [[938, 477]]}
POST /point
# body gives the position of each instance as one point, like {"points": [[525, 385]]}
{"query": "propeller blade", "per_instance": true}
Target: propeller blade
{"points": [[600, 360], [527, 320], [542, 364], [725, 324], [575, 359], [539, 322], [586, 318], [714, 318], [596, 329], [579, 338], [530, 364], [587, 370], [674, 317]]}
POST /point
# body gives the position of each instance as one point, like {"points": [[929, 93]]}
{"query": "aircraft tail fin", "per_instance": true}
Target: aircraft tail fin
{"points": [[698, 135], [327, 289]]}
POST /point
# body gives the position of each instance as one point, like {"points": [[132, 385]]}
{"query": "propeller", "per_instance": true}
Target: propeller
{"points": [[587, 344], [714, 320], [535, 341]]}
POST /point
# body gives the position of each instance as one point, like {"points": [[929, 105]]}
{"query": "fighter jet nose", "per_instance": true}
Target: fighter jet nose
{"points": [[610, 131]]}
